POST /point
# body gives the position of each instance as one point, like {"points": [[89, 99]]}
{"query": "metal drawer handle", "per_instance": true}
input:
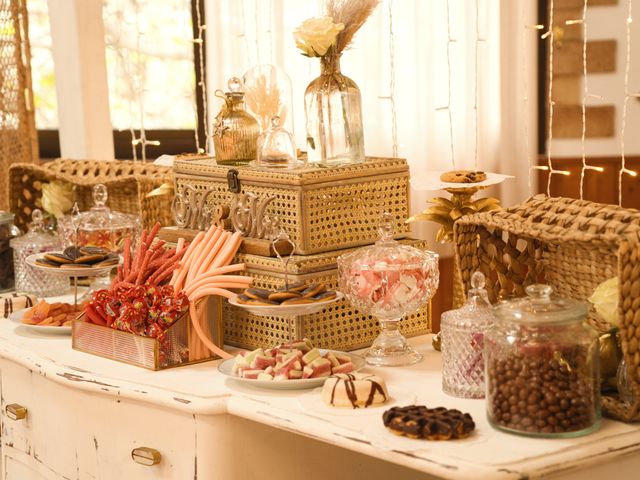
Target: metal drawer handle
{"points": [[16, 411], [146, 456]]}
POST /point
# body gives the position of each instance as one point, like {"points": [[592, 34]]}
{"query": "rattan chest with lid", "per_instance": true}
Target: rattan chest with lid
{"points": [[322, 209]]}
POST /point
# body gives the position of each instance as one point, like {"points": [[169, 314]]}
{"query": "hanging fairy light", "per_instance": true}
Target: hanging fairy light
{"points": [[478, 40], [447, 108], [550, 35], [141, 139], [623, 166], [392, 83], [525, 76], [585, 95], [202, 83]]}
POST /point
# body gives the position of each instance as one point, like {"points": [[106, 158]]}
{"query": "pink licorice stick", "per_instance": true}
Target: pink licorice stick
{"points": [[212, 239], [228, 251], [178, 278], [197, 254], [180, 245], [219, 271], [206, 291], [201, 335], [213, 252], [222, 282]]}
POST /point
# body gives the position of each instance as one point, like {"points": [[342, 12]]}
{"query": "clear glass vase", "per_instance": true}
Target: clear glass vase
{"points": [[334, 116]]}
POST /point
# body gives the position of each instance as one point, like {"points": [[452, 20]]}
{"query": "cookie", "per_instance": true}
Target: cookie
{"points": [[295, 287], [245, 300], [324, 296], [281, 296], [313, 290], [107, 262], [93, 251], [420, 422], [57, 258], [463, 176], [90, 259], [43, 262], [72, 252], [257, 293]]}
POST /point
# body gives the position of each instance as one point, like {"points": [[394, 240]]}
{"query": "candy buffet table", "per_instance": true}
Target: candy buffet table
{"points": [[86, 415]]}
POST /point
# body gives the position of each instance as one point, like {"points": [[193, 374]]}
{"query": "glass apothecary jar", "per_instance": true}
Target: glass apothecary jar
{"points": [[235, 131], [542, 367], [28, 279], [7, 231], [462, 343], [100, 226]]}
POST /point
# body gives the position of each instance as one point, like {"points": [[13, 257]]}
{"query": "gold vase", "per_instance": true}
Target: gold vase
{"points": [[235, 132]]}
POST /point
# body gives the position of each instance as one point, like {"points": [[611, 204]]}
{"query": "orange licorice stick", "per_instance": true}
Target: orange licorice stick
{"points": [[127, 257], [201, 253], [180, 274], [228, 251], [153, 233], [201, 335], [217, 241]]}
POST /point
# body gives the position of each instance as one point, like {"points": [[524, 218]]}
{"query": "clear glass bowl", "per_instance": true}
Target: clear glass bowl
{"points": [[389, 280], [542, 367]]}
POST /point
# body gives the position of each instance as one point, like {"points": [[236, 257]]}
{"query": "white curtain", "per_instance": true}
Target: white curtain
{"points": [[244, 33]]}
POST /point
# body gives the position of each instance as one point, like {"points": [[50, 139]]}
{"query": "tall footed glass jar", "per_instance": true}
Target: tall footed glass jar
{"points": [[333, 108]]}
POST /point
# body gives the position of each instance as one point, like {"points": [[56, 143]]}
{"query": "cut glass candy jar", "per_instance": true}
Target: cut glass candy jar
{"points": [[462, 342], [28, 279], [389, 280]]}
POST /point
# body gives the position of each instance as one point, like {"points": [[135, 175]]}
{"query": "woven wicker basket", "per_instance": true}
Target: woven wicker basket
{"points": [[573, 245], [128, 183], [322, 209]]}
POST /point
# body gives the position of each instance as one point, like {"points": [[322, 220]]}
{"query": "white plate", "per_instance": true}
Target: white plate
{"points": [[286, 310], [16, 318], [226, 369], [69, 272], [311, 402]]}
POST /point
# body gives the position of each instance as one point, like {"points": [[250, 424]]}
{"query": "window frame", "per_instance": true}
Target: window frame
{"points": [[172, 141]]}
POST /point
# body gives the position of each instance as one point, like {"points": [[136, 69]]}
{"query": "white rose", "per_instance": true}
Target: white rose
{"points": [[315, 36], [57, 198]]}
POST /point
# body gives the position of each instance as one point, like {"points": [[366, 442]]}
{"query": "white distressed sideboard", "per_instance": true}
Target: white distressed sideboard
{"points": [[86, 418]]}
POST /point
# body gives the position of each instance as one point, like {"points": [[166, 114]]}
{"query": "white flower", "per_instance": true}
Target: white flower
{"points": [[605, 300], [57, 198], [315, 36]]}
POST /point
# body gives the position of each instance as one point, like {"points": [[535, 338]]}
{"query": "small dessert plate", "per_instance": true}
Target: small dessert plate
{"points": [[16, 317], [311, 402], [226, 368], [69, 271], [286, 310]]}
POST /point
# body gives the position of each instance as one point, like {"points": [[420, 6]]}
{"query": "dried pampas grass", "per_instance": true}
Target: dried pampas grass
{"points": [[351, 13]]}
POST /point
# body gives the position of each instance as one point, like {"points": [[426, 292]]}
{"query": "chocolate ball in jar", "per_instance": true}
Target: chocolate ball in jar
{"points": [[542, 367]]}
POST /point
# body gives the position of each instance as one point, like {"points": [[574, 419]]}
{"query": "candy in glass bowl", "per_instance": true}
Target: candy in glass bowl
{"points": [[389, 280]]}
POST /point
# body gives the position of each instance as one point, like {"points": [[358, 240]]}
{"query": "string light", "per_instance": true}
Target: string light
{"points": [[550, 35], [392, 83], [447, 108], [585, 95], [139, 88], [199, 41], [475, 102], [525, 77], [623, 167]]}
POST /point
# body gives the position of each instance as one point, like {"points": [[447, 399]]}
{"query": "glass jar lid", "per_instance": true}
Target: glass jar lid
{"points": [[540, 307], [477, 309], [6, 217], [387, 254], [37, 237], [101, 217]]}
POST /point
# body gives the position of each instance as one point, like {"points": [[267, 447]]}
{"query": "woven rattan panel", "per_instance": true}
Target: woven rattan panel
{"points": [[18, 140], [128, 183], [572, 245], [321, 209], [338, 327]]}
